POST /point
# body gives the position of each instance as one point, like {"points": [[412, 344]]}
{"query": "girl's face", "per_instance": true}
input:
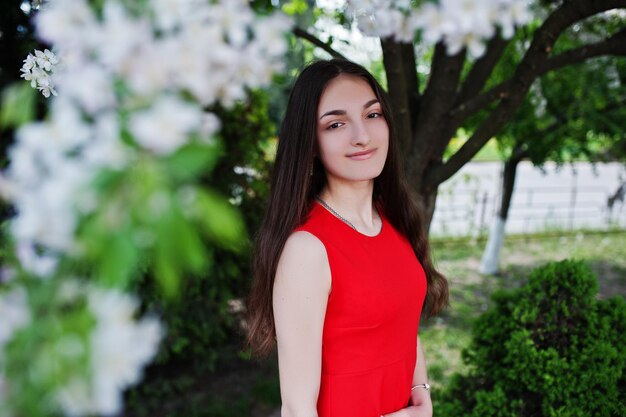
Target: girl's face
{"points": [[352, 133]]}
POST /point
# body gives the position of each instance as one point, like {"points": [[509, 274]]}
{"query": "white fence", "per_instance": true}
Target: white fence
{"points": [[572, 197]]}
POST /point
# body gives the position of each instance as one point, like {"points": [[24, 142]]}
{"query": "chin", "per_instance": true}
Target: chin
{"points": [[365, 175]]}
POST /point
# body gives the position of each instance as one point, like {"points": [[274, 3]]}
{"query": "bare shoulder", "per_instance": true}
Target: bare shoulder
{"points": [[304, 245], [304, 261]]}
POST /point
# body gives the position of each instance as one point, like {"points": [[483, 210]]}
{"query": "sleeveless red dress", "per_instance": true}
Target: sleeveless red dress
{"points": [[369, 341]]}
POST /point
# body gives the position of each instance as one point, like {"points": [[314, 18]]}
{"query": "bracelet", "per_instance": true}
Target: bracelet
{"points": [[425, 386]]}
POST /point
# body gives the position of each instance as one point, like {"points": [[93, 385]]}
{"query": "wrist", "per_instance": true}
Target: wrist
{"points": [[425, 386], [420, 395]]}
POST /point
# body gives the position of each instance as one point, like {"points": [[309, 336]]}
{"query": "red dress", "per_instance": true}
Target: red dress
{"points": [[369, 342]]}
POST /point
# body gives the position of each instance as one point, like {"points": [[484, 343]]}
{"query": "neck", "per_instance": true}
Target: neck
{"points": [[354, 202]]}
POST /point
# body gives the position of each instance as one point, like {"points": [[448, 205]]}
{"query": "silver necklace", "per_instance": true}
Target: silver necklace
{"points": [[337, 215]]}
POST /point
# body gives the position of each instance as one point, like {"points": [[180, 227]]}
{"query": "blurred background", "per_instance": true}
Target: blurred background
{"points": [[516, 149]]}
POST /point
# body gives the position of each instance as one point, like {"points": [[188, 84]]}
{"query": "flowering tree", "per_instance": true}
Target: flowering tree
{"points": [[108, 186], [460, 84]]}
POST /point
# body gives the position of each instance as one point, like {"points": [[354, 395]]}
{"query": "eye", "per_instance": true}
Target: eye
{"points": [[335, 125], [374, 115]]}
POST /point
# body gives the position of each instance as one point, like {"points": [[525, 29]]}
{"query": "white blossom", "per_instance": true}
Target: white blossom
{"points": [[459, 40], [15, 313], [106, 149], [46, 212], [42, 265], [74, 397], [172, 14], [67, 24], [209, 124], [433, 23], [119, 347], [269, 33], [165, 126], [46, 59], [38, 70], [233, 17], [91, 87], [45, 179], [458, 23], [512, 13], [148, 70], [29, 63], [46, 87], [120, 36]]}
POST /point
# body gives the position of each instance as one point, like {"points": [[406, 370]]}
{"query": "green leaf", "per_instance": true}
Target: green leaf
{"points": [[295, 7], [183, 241], [118, 260], [178, 249], [18, 105], [166, 273], [220, 220], [193, 159]]}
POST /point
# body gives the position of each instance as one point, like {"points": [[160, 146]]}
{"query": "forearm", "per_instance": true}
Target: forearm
{"points": [[420, 395], [419, 404], [420, 375]]}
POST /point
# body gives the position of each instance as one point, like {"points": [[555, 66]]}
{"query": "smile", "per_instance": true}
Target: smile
{"points": [[360, 156]]}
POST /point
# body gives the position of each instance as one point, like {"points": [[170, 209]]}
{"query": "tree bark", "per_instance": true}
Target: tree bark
{"points": [[399, 76], [490, 262], [428, 202]]}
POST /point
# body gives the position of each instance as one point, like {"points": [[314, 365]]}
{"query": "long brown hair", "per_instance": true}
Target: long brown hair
{"points": [[293, 189]]}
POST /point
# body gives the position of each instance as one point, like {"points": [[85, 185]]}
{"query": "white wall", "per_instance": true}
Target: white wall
{"points": [[572, 197]]}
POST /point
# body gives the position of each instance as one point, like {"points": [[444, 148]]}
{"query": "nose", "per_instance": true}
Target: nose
{"points": [[360, 134]]}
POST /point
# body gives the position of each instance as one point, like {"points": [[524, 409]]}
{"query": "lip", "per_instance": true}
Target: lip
{"points": [[359, 156]]}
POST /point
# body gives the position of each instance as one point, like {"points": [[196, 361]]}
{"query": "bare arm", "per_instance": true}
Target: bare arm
{"points": [[420, 396], [300, 296], [420, 403]]}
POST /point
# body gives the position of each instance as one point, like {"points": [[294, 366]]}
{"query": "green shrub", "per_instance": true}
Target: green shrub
{"points": [[550, 348]]}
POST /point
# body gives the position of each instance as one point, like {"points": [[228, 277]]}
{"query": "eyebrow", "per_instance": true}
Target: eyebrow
{"points": [[343, 112]]}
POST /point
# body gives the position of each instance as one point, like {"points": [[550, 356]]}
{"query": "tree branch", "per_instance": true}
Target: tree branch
{"points": [[436, 102], [534, 61], [412, 81], [301, 33], [519, 152], [614, 45], [482, 69]]}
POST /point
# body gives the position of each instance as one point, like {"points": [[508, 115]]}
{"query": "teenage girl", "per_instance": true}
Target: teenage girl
{"points": [[341, 266]]}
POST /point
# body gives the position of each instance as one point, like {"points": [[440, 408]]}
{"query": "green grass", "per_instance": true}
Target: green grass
{"points": [[445, 336]]}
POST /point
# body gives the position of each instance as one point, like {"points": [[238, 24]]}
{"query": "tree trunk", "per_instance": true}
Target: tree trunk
{"points": [[490, 262], [428, 201]]}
